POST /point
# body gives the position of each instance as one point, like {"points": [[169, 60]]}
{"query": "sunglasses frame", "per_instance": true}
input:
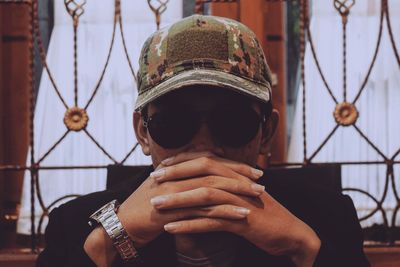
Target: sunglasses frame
{"points": [[262, 118]]}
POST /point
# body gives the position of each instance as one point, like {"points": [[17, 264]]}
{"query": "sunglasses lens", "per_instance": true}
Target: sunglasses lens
{"points": [[232, 127], [235, 127], [173, 129]]}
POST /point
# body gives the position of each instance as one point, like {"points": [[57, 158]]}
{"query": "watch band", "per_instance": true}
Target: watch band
{"points": [[108, 218]]}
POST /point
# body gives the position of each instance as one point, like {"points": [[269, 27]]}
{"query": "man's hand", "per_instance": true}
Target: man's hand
{"points": [[210, 199], [144, 220]]}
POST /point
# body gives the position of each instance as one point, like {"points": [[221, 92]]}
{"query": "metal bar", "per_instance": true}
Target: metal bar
{"points": [[16, 2], [324, 142], [42, 53], [395, 154], [393, 180], [344, 40], [303, 23], [379, 205], [394, 216], [75, 25], [99, 146], [53, 146], [38, 192], [378, 43], [25, 168], [105, 65], [32, 123], [369, 142], [396, 53], [314, 54], [46, 212], [118, 5], [273, 164], [130, 152]]}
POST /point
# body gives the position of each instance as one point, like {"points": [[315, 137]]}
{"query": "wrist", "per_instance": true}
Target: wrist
{"points": [[99, 247], [124, 214], [107, 217], [306, 251]]}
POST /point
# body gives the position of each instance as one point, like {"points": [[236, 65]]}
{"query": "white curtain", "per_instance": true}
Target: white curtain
{"points": [[110, 113], [378, 106]]}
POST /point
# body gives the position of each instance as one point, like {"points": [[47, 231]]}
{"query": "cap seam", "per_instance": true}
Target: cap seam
{"points": [[267, 83]]}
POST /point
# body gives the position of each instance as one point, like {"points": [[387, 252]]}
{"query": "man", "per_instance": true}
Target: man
{"points": [[204, 114]]}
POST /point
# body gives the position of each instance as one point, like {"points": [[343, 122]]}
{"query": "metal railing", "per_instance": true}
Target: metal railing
{"points": [[76, 118]]}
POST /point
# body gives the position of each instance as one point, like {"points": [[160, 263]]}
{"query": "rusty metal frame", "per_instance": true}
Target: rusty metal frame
{"points": [[350, 114], [75, 10], [75, 120]]}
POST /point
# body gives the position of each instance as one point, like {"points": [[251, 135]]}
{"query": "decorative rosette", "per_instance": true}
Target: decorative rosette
{"points": [[345, 114], [76, 119]]}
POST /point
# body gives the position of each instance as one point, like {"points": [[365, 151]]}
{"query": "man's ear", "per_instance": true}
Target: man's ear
{"points": [[269, 130], [141, 133]]}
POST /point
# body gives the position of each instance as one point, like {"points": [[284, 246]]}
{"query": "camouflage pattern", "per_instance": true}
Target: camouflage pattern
{"points": [[203, 50]]}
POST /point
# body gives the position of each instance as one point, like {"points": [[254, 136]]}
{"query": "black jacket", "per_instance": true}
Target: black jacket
{"points": [[331, 215]]}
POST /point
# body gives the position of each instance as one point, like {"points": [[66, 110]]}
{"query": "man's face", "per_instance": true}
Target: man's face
{"points": [[203, 100]]}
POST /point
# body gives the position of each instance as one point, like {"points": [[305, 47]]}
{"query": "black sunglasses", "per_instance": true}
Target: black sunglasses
{"points": [[233, 127]]}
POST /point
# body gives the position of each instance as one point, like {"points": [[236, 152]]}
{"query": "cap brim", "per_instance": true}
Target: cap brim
{"points": [[217, 78]]}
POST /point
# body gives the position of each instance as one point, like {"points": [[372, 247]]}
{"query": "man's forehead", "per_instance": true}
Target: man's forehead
{"points": [[202, 97]]}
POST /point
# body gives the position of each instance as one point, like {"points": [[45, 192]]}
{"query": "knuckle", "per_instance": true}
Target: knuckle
{"points": [[170, 171], [209, 154], [242, 168], [238, 187], [225, 209], [206, 162], [210, 181], [207, 193]]}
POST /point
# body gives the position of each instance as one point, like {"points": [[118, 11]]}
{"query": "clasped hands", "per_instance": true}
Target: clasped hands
{"points": [[198, 192]]}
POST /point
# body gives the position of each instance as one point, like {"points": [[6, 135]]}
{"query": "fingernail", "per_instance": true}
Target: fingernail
{"points": [[171, 226], [167, 161], [257, 173], [258, 188], [158, 174], [242, 211], [155, 201]]}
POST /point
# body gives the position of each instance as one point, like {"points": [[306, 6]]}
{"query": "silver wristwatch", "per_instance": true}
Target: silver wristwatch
{"points": [[107, 217]]}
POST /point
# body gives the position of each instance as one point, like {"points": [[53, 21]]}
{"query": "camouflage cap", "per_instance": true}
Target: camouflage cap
{"points": [[205, 50]]}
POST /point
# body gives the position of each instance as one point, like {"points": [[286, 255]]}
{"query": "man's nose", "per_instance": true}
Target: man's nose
{"points": [[204, 141]]}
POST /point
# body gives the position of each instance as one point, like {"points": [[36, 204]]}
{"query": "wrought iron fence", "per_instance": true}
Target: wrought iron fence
{"points": [[76, 118]]}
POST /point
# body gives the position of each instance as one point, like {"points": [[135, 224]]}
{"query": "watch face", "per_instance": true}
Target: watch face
{"points": [[92, 222], [94, 219]]}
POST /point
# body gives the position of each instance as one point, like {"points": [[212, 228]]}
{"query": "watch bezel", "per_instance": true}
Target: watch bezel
{"points": [[94, 219], [107, 217]]}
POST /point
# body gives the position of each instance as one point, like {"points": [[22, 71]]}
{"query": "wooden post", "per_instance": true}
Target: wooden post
{"points": [[14, 111], [274, 45], [267, 20]]}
